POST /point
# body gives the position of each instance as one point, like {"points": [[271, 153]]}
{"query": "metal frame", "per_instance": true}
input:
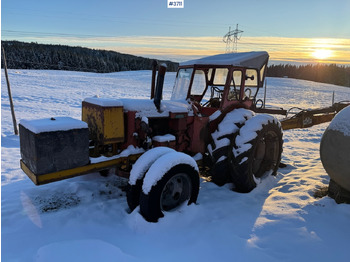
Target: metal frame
{"points": [[78, 171]]}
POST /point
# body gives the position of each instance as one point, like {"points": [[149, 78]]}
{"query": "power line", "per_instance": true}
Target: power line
{"points": [[31, 33]]}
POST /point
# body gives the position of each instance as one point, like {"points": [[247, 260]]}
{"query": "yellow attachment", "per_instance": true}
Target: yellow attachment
{"points": [[77, 171], [106, 124], [306, 120]]}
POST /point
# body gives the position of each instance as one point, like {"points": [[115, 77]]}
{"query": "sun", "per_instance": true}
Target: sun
{"points": [[322, 54]]}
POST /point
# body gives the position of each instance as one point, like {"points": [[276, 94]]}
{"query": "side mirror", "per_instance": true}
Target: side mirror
{"points": [[249, 77]]}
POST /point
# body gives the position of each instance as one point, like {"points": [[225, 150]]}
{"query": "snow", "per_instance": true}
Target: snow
{"points": [[130, 150], [146, 107], [248, 59], [280, 220], [162, 165], [164, 138], [145, 161], [94, 250], [144, 119], [238, 116], [341, 122], [104, 102], [227, 126], [215, 115], [198, 157], [52, 124], [222, 158], [248, 131]]}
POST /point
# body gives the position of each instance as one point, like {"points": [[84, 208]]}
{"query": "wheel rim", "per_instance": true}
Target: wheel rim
{"points": [[175, 192], [266, 153]]}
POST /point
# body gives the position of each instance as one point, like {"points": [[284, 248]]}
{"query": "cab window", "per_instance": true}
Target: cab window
{"points": [[199, 83], [235, 85], [220, 76], [182, 84], [251, 78], [262, 73], [251, 83]]}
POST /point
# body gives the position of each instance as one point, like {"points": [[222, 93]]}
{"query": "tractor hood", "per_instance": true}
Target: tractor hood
{"points": [[144, 107]]}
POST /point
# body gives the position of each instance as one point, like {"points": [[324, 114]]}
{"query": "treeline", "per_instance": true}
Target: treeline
{"points": [[22, 55], [324, 73]]}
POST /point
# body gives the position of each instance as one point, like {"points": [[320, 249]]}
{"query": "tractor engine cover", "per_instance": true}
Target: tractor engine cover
{"points": [[105, 118]]}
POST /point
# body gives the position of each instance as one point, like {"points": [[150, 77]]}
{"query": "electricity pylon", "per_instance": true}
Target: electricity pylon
{"points": [[231, 39]]}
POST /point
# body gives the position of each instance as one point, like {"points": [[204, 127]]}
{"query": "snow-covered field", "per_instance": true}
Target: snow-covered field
{"points": [[87, 219]]}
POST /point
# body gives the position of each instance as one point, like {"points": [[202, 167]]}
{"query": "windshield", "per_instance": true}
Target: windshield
{"points": [[199, 84], [220, 76], [182, 83]]}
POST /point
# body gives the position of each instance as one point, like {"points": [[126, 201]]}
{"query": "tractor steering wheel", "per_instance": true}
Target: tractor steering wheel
{"points": [[216, 89]]}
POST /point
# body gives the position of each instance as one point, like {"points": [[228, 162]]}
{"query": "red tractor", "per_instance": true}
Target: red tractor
{"points": [[216, 119], [209, 122]]}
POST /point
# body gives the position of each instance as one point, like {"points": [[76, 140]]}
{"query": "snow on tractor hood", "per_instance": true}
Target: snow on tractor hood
{"points": [[145, 107], [245, 59]]}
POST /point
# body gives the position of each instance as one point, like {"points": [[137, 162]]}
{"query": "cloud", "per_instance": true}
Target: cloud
{"points": [[281, 49]]}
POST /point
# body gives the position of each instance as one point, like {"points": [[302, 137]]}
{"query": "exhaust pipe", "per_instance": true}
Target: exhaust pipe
{"points": [[159, 87], [154, 71]]}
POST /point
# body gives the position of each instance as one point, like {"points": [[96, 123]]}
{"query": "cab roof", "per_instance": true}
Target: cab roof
{"points": [[246, 59]]}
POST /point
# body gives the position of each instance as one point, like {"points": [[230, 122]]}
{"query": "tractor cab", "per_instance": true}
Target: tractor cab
{"points": [[222, 81]]}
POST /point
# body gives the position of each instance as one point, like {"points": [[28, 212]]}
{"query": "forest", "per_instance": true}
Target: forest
{"points": [[324, 73], [22, 55]]}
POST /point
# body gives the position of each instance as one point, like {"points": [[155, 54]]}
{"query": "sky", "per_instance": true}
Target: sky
{"points": [[298, 31]]}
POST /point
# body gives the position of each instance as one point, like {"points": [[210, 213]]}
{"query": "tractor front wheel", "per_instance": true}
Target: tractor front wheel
{"points": [[163, 193], [220, 145], [138, 172]]}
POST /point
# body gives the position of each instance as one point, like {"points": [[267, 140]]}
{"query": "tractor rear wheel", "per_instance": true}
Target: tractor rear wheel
{"points": [[258, 150], [221, 145]]}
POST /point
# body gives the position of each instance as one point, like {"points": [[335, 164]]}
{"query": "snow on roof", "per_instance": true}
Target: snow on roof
{"points": [[53, 124], [105, 102], [144, 107], [246, 59]]}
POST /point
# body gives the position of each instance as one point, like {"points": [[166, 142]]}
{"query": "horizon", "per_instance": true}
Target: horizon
{"points": [[292, 33], [293, 63]]}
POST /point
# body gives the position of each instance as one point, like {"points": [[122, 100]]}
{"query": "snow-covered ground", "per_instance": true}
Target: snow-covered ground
{"points": [[87, 219]]}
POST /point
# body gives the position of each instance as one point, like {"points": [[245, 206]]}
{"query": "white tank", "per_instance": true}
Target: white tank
{"points": [[335, 149]]}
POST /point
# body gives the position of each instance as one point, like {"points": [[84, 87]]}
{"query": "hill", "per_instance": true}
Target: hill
{"points": [[21, 55]]}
